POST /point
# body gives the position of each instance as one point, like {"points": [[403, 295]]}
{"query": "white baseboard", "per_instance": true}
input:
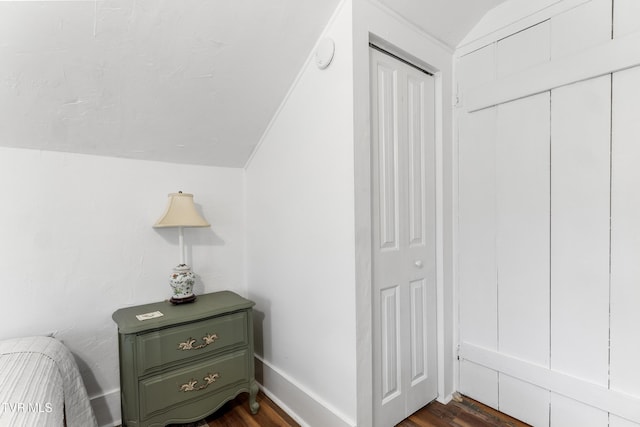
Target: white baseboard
{"points": [[444, 400], [308, 410], [106, 408]]}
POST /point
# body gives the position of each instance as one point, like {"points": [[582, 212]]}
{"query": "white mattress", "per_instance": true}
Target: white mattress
{"points": [[40, 385]]}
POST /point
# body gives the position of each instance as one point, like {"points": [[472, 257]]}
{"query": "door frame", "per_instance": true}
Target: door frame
{"points": [[423, 47]]}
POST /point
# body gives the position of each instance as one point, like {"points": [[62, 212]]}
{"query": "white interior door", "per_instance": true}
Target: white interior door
{"points": [[403, 240]]}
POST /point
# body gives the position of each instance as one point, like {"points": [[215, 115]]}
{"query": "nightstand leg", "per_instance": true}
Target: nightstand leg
{"points": [[253, 393]]}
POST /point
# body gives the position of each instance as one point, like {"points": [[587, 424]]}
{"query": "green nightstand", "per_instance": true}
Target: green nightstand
{"points": [[184, 365]]}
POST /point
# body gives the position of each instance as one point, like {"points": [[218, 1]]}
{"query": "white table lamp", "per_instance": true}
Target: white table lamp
{"points": [[180, 213]]}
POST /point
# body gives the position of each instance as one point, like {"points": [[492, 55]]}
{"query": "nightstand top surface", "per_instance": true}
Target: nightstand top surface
{"points": [[206, 305]]}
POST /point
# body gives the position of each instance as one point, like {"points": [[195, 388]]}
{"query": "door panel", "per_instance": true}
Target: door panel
{"points": [[388, 158], [390, 334], [418, 335], [416, 141], [403, 239]]}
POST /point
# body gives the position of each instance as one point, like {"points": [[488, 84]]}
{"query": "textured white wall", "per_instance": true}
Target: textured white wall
{"points": [[77, 243], [300, 237]]}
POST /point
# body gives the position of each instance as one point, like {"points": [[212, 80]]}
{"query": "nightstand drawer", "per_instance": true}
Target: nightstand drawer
{"points": [[158, 348], [165, 390]]}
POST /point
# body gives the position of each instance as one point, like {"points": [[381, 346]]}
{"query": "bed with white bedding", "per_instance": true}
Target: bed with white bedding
{"points": [[40, 385]]}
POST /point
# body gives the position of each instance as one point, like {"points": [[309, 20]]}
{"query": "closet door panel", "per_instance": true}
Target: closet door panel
{"points": [[580, 229], [615, 421], [523, 50], [580, 28], [476, 69], [523, 227], [524, 401], [625, 233], [568, 412], [477, 228], [479, 383], [625, 17]]}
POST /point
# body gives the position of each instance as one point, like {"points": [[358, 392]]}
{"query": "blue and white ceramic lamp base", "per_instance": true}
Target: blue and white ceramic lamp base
{"points": [[181, 281]]}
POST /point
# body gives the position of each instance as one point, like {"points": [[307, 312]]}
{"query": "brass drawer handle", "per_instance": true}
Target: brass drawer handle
{"points": [[193, 384], [190, 343]]}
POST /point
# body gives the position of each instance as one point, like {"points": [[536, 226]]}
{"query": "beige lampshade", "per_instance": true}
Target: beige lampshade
{"points": [[181, 212]]}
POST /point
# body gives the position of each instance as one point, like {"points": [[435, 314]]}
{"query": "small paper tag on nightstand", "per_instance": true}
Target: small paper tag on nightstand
{"points": [[147, 316]]}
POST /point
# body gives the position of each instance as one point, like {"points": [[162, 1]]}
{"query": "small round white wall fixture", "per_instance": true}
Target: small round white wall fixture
{"points": [[324, 53]]}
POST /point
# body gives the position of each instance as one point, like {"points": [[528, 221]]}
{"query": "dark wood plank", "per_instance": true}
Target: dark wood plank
{"points": [[236, 413], [464, 413]]}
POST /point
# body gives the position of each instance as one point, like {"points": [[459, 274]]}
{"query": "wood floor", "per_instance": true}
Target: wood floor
{"points": [[465, 413], [236, 413]]}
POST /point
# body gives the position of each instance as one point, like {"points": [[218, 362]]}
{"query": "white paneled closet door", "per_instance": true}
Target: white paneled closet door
{"points": [[403, 223]]}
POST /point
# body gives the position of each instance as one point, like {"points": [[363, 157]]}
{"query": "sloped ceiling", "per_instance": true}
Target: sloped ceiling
{"points": [[186, 81], [446, 20]]}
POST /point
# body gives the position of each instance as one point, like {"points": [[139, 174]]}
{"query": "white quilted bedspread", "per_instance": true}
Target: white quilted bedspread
{"points": [[40, 385]]}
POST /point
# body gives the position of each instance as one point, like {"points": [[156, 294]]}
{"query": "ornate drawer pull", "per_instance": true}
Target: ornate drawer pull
{"points": [[193, 384], [189, 344]]}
